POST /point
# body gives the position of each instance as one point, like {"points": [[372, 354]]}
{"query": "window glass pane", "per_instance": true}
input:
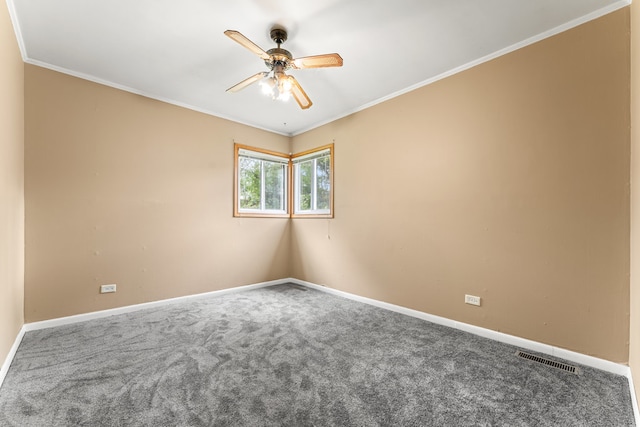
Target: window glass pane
{"points": [[250, 185], [274, 176], [261, 183], [323, 190], [305, 176], [263, 178]]}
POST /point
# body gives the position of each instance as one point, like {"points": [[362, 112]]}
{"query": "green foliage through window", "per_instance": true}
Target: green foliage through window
{"points": [[250, 185], [262, 182], [312, 181]]}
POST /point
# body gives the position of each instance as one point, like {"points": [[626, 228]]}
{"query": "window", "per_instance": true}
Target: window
{"points": [[264, 182], [261, 182], [312, 182]]}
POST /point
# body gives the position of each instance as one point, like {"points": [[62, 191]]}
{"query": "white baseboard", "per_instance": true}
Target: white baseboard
{"points": [[572, 356], [131, 308], [583, 359], [112, 312], [634, 401], [12, 352]]}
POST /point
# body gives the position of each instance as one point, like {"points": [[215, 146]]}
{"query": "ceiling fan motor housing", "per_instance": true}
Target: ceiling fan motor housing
{"points": [[279, 56], [278, 35]]}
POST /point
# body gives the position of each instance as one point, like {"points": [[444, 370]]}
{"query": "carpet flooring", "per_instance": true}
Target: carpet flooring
{"points": [[291, 356]]}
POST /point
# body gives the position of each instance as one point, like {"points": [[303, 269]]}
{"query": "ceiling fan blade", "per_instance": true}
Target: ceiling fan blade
{"points": [[238, 37], [318, 61], [247, 82], [299, 94]]}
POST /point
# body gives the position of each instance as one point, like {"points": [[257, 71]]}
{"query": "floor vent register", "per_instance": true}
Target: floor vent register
{"points": [[548, 362]]}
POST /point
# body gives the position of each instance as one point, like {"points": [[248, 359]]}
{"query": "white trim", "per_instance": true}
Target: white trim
{"points": [[282, 159], [572, 356], [634, 400], [531, 40], [583, 359], [594, 362], [12, 352], [310, 156], [44, 324], [18, 32], [149, 95], [534, 39]]}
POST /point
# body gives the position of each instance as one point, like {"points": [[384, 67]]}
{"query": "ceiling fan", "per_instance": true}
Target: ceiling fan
{"points": [[276, 82]]}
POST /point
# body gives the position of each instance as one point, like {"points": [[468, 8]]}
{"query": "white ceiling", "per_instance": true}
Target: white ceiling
{"points": [[175, 51]]}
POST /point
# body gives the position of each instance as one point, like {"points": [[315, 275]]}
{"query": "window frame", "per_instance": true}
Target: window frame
{"points": [[298, 158], [268, 156], [290, 184]]}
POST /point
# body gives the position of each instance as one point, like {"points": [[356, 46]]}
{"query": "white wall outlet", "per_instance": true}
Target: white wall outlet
{"points": [[473, 300], [105, 289]]}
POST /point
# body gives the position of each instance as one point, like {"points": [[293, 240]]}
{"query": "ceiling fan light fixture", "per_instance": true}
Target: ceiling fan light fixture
{"points": [[277, 85], [284, 90], [284, 87], [267, 85], [286, 84], [275, 82]]}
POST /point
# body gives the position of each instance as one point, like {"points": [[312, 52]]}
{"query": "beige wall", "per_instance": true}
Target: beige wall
{"points": [[634, 350], [11, 185], [127, 190], [508, 181]]}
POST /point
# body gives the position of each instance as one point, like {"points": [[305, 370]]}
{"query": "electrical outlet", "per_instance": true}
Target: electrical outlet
{"points": [[105, 289], [473, 300]]}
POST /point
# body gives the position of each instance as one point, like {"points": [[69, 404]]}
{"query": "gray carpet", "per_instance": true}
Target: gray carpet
{"points": [[291, 356]]}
